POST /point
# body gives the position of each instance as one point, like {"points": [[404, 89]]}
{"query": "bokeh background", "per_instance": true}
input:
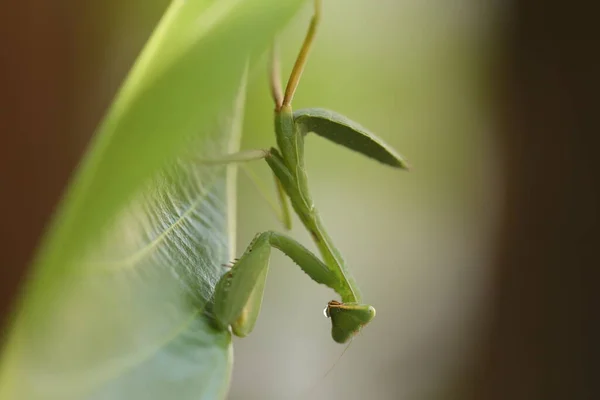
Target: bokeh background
{"points": [[477, 260]]}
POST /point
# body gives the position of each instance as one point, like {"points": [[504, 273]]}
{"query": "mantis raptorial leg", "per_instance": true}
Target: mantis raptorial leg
{"points": [[238, 294]]}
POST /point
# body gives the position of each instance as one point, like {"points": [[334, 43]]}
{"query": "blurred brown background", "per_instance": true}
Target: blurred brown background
{"points": [[536, 339]]}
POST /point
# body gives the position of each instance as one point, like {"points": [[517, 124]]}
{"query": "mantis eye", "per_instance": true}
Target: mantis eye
{"points": [[348, 319]]}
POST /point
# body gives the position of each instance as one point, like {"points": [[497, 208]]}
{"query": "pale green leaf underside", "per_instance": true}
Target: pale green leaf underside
{"points": [[341, 130], [129, 322]]}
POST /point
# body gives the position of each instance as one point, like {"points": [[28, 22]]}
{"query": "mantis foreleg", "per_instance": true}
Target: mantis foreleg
{"points": [[238, 295]]}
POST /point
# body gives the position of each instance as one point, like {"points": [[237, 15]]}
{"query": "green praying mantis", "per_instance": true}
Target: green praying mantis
{"points": [[238, 294]]}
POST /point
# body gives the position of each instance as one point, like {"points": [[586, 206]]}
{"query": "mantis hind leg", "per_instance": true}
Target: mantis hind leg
{"points": [[233, 158], [279, 207], [302, 56], [239, 292]]}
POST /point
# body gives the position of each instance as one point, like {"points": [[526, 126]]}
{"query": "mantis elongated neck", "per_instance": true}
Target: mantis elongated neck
{"points": [[332, 258], [291, 144]]}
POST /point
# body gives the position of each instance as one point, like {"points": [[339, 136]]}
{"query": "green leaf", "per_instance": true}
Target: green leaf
{"points": [[129, 322], [341, 130], [115, 305]]}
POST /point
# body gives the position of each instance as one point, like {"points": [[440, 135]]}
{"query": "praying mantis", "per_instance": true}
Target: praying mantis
{"points": [[238, 294]]}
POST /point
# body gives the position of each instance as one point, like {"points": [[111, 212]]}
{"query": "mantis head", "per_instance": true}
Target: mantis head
{"points": [[347, 319]]}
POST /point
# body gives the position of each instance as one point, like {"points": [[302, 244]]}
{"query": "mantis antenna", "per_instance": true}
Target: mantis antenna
{"points": [[317, 383], [302, 56]]}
